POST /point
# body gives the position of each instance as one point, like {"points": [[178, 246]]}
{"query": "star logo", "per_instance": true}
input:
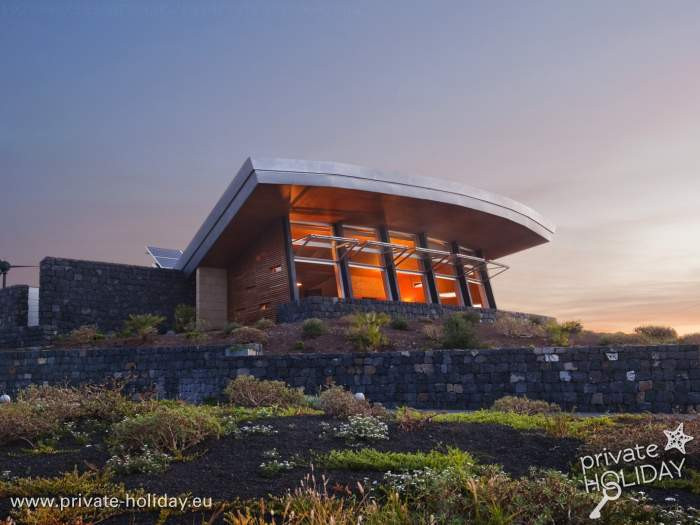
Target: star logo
{"points": [[677, 439]]}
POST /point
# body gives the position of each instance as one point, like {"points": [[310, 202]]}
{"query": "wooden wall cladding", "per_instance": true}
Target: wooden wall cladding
{"points": [[258, 281]]}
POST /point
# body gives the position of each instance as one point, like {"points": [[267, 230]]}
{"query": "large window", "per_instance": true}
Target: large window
{"points": [[315, 260], [475, 284], [445, 273], [410, 276], [366, 264]]}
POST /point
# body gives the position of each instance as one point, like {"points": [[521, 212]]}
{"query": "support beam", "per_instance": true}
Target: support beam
{"points": [[461, 278], [343, 263], [487, 282], [428, 268], [389, 265], [289, 255]]}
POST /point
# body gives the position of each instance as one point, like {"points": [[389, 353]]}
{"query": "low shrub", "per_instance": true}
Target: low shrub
{"points": [[248, 391], [196, 336], [621, 338], [366, 333], [399, 323], [559, 334], [337, 402], [313, 327], [510, 326], [432, 332], [372, 459], [22, 421], [657, 334], [362, 428], [298, 346], [248, 334], [690, 339], [144, 326], [185, 318], [459, 331], [264, 324], [411, 420], [523, 405], [230, 327], [145, 461], [86, 334], [169, 428]]}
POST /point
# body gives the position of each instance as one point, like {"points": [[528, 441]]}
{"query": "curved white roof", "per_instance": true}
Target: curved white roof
{"points": [[346, 176]]}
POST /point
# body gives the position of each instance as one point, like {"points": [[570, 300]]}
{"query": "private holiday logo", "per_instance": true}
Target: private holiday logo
{"points": [[623, 467]]}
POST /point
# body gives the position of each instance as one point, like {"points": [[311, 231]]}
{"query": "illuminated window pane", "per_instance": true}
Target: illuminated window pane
{"points": [[308, 247], [411, 262], [441, 263], [448, 290], [411, 287], [368, 283], [477, 291], [315, 279], [364, 255]]}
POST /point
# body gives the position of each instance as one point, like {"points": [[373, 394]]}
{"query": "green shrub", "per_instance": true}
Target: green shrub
{"points": [[572, 327], [264, 324], [366, 333], [372, 459], [459, 332], [144, 462], [298, 346], [230, 327], [621, 338], [399, 323], [411, 420], [510, 326], [313, 327], [196, 335], [185, 318], [144, 326], [523, 405], [84, 335], [248, 391], [170, 428], [248, 334], [337, 402], [657, 334]]}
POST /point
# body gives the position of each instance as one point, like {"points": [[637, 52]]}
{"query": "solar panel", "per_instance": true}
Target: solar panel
{"points": [[164, 257]]}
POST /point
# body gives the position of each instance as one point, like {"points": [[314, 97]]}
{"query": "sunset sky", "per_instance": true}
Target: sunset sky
{"points": [[122, 122]]}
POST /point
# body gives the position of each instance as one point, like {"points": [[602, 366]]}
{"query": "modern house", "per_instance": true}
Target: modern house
{"points": [[287, 234], [285, 230]]}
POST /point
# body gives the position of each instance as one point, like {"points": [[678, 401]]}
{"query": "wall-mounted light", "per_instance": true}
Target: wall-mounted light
{"points": [[448, 295], [298, 284], [418, 285]]}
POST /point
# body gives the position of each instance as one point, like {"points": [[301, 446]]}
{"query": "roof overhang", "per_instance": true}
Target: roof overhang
{"points": [[266, 189]]}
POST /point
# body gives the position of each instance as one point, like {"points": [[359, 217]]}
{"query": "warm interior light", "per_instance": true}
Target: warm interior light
{"points": [[448, 295], [298, 284], [418, 285]]}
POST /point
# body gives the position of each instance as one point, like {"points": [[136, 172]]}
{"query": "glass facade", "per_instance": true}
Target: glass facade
{"points": [[410, 276], [315, 259], [366, 267], [323, 254]]}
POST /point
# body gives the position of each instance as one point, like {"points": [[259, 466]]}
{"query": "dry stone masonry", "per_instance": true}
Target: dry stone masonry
{"points": [[592, 379]]}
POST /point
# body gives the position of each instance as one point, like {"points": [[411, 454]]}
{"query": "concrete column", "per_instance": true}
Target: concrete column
{"points": [[212, 297]]}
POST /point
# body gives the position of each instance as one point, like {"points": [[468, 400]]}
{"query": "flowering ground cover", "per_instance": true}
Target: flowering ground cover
{"points": [[336, 458]]}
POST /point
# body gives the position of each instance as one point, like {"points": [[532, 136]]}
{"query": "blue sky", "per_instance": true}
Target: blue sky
{"points": [[122, 122]]}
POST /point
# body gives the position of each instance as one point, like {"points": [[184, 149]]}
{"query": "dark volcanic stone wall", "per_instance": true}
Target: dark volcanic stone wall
{"points": [[598, 379], [13, 306], [74, 293], [331, 307]]}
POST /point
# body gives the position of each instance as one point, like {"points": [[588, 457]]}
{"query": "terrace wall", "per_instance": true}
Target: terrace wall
{"points": [[332, 307], [14, 306], [75, 293], [597, 379]]}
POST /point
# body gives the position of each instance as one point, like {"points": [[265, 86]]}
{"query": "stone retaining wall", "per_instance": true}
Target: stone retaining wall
{"points": [[75, 293], [655, 378], [14, 306], [331, 307]]}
